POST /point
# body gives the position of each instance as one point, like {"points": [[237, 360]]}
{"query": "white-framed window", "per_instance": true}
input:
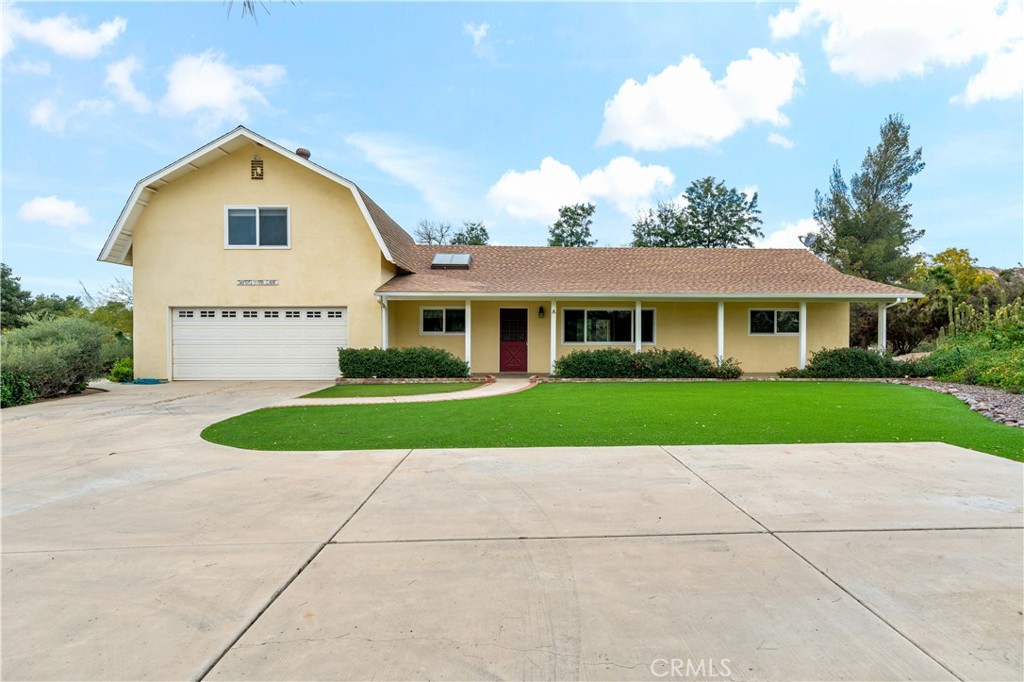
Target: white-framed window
{"points": [[773, 322], [603, 326], [257, 227], [442, 320]]}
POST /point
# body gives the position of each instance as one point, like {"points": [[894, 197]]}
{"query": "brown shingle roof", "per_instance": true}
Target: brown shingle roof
{"points": [[398, 241], [619, 271]]}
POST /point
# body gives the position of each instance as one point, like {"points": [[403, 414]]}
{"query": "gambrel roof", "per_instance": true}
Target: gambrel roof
{"points": [[394, 242]]}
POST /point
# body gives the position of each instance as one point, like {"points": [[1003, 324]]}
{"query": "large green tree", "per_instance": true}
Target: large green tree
{"points": [[14, 301], [711, 215], [573, 226], [473, 233], [865, 227]]}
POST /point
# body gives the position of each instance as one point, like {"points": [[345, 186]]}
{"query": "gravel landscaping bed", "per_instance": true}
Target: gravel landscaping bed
{"points": [[999, 406]]}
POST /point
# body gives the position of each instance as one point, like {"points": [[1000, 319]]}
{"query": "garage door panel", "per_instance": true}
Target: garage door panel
{"points": [[260, 343], [262, 335]]}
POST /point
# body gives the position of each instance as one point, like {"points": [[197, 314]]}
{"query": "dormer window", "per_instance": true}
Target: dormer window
{"points": [[257, 227]]}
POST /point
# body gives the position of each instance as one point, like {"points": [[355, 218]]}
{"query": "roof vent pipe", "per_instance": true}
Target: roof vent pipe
{"points": [[303, 152]]}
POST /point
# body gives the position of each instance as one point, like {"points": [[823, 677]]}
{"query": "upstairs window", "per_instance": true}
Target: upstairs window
{"points": [[252, 227]]}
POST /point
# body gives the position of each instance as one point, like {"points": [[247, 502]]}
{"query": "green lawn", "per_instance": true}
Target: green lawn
{"points": [[382, 390], [633, 414]]}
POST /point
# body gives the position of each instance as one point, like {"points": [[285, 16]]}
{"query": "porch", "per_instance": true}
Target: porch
{"points": [[527, 335]]}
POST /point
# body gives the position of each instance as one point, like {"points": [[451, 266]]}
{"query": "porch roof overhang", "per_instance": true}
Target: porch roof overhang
{"points": [[639, 295]]}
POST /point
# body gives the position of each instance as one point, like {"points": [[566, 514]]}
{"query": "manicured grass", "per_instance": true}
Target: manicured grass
{"points": [[633, 414], [381, 390]]}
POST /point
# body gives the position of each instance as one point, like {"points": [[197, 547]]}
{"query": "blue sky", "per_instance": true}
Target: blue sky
{"points": [[503, 112]]}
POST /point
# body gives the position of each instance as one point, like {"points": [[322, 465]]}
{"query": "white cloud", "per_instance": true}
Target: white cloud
{"points": [[203, 84], [35, 68], [788, 236], [54, 211], [1001, 77], [538, 194], [63, 35], [48, 116], [119, 79], [683, 107], [780, 140], [873, 43], [481, 49], [749, 191], [431, 172]]}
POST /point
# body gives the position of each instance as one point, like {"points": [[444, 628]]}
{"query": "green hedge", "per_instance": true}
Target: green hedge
{"points": [[57, 356], [852, 363], [400, 363], [620, 363]]}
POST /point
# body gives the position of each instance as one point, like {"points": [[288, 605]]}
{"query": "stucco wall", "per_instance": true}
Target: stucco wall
{"points": [[828, 326], [691, 325], [180, 259]]}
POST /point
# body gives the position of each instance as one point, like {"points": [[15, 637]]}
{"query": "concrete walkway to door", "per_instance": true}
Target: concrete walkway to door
{"points": [[500, 386]]}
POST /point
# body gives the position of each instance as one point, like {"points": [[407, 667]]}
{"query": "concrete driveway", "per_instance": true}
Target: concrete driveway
{"points": [[132, 549]]}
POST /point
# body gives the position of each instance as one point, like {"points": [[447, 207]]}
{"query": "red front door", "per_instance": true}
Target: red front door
{"points": [[512, 355]]}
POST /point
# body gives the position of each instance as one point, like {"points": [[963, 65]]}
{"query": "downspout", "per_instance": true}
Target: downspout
{"points": [[883, 340]]}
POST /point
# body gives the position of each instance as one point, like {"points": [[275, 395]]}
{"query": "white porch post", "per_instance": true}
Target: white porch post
{"points": [[882, 308], [469, 335], [554, 335], [721, 332], [803, 334], [383, 322], [636, 326]]}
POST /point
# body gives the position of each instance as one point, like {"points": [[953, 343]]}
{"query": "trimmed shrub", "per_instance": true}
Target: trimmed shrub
{"points": [[122, 371], [657, 363], [852, 363], [400, 363], [57, 356], [14, 390]]}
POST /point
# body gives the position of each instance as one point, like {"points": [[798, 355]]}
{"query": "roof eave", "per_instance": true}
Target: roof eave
{"points": [[631, 296]]}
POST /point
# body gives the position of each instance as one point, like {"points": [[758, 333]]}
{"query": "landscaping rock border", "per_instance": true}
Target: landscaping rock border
{"points": [[1001, 407]]}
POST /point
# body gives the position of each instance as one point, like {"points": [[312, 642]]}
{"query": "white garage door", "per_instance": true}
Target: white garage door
{"points": [[257, 343]]}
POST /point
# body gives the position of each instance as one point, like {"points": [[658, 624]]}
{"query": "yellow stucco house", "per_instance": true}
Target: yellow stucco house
{"points": [[249, 261]]}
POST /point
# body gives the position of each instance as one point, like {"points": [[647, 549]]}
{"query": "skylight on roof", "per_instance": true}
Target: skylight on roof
{"points": [[451, 261]]}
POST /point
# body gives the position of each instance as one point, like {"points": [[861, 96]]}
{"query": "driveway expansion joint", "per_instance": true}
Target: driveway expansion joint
{"points": [[520, 538], [277, 593], [775, 535]]}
